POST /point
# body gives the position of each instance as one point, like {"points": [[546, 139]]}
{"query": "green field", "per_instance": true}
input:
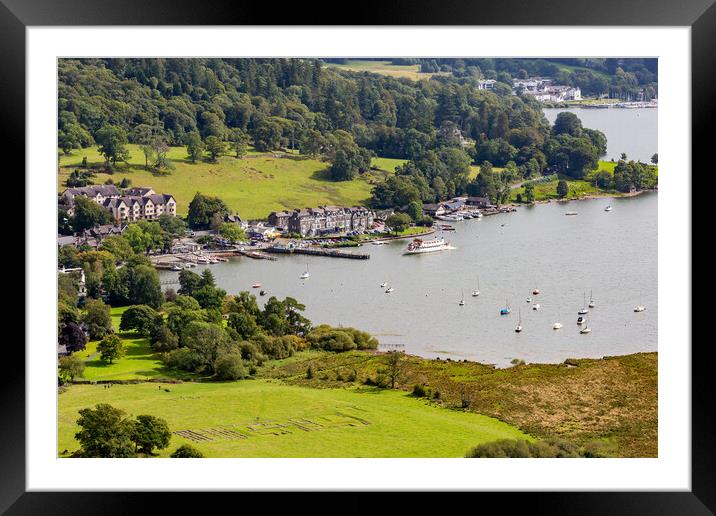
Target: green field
{"points": [[574, 68], [384, 68], [139, 362], [548, 190], [263, 418], [387, 164], [578, 188], [612, 400], [253, 186]]}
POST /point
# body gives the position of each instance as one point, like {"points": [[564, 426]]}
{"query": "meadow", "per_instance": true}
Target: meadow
{"points": [[253, 186], [138, 363], [385, 68], [578, 188], [264, 418], [612, 401]]}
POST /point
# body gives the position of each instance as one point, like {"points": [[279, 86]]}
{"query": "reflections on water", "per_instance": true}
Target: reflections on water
{"points": [[633, 131], [611, 255]]}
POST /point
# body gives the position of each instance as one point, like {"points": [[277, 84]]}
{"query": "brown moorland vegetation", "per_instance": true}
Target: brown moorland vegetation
{"points": [[612, 400]]}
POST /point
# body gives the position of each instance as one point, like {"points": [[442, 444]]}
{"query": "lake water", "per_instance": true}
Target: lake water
{"points": [[612, 254], [633, 131]]}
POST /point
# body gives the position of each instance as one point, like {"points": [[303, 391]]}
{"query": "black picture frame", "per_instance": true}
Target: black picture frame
{"points": [[700, 15]]}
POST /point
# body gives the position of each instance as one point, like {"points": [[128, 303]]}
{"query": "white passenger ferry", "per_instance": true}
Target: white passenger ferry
{"points": [[419, 245]]}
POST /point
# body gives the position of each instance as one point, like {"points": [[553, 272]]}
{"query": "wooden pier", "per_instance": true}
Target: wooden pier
{"points": [[331, 253], [256, 255]]}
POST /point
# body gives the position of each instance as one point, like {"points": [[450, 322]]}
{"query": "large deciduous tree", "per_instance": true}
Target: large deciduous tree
{"points": [[110, 348], [71, 367], [72, 337], [150, 432], [194, 146], [215, 146], [105, 432], [112, 140], [97, 319], [202, 208], [88, 214], [140, 318]]}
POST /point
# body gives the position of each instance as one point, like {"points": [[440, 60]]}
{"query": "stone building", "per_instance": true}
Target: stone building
{"points": [[136, 203], [324, 220]]}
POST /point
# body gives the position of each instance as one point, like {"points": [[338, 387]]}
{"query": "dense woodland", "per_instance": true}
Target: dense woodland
{"points": [[442, 125]]}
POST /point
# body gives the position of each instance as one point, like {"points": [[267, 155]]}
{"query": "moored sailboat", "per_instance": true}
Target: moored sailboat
{"points": [[586, 328], [639, 307], [518, 329], [506, 310], [557, 325], [584, 309], [476, 292]]}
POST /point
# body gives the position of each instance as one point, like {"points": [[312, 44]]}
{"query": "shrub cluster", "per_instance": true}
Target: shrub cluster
{"points": [[552, 448]]}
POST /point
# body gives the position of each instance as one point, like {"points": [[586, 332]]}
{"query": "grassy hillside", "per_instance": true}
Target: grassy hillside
{"points": [[138, 363], [261, 418], [384, 68], [253, 186], [578, 188], [612, 400]]}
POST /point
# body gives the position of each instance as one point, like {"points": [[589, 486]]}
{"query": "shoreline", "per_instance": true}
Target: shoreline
{"points": [[590, 197], [400, 237]]}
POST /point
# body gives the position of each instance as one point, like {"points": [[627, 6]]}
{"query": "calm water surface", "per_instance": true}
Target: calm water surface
{"points": [[612, 254], [633, 131]]}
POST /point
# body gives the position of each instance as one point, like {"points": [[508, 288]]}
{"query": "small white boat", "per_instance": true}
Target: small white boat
{"points": [[379, 242], [592, 304], [384, 284], [536, 306], [476, 292], [535, 292], [571, 213], [586, 328], [518, 329], [639, 307], [580, 320], [584, 309], [608, 208], [389, 290], [454, 217], [557, 326], [306, 274], [529, 299], [177, 267]]}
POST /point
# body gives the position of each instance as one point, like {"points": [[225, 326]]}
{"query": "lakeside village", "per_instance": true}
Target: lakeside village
{"points": [[321, 231], [545, 91]]}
